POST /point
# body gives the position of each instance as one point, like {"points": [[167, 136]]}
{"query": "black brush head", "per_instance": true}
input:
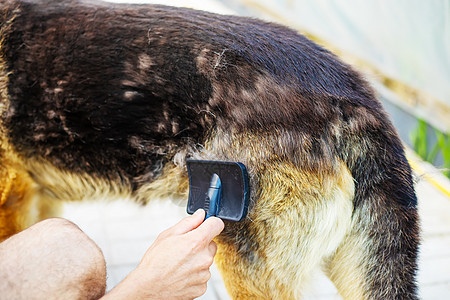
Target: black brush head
{"points": [[234, 195]]}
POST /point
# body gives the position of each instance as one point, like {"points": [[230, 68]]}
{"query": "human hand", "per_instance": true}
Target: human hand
{"points": [[176, 265]]}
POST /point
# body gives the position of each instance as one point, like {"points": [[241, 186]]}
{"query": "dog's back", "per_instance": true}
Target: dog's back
{"points": [[111, 99]]}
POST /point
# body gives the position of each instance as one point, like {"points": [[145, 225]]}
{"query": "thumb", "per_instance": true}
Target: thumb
{"points": [[189, 223], [210, 228]]}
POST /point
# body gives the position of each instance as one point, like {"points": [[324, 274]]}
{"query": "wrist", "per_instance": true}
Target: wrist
{"points": [[131, 287]]}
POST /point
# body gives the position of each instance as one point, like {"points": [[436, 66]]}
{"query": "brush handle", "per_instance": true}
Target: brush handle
{"points": [[213, 196]]}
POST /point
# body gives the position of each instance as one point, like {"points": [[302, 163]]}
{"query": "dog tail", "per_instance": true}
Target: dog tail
{"points": [[380, 251]]}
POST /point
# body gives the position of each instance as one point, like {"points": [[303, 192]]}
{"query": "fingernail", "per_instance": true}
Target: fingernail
{"points": [[198, 211]]}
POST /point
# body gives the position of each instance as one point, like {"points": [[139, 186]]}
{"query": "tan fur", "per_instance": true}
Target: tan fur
{"points": [[41, 195], [300, 219], [173, 184], [65, 185], [348, 267], [69, 186], [92, 112], [6, 185], [20, 204], [344, 269]]}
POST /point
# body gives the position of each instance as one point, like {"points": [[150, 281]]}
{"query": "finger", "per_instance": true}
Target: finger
{"points": [[209, 229], [196, 291], [212, 248], [204, 276], [200, 277], [189, 223]]}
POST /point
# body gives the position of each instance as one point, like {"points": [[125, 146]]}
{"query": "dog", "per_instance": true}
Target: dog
{"points": [[108, 100]]}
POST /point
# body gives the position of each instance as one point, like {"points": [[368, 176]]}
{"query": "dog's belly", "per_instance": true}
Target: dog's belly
{"points": [[58, 184]]}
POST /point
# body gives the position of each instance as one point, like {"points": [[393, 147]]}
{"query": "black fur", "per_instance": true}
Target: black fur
{"points": [[118, 90]]}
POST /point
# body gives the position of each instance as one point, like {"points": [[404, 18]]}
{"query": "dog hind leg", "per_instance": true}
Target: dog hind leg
{"points": [[20, 205], [21, 202], [299, 219], [376, 260]]}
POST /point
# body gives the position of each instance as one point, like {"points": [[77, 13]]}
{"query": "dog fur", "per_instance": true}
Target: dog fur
{"points": [[108, 100]]}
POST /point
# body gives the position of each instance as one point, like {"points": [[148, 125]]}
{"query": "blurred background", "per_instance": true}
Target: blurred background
{"points": [[403, 48]]}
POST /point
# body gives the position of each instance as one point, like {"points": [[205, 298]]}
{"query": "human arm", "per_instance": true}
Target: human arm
{"points": [[176, 265]]}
